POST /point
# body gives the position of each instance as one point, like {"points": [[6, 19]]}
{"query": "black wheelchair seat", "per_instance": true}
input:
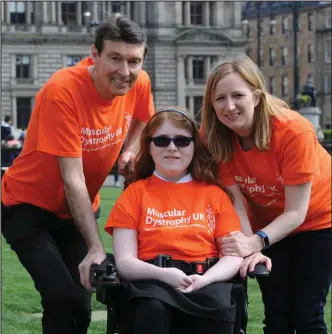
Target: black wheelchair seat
{"points": [[112, 290]]}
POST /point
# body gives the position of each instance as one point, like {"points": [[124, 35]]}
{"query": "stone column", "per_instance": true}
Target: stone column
{"points": [[45, 12], [14, 111], [128, 12], [79, 13], [187, 13], [34, 72], [95, 11], [191, 105], [190, 71], [207, 66], [206, 13], [142, 13], [2, 9], [28, 12], [53, 12], [59, 14], [237, 14], [219, 13], [181, 84], [103, 10], [178, 13]]}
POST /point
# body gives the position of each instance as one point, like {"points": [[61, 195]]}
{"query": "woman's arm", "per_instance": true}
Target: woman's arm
{"points": [[297, 198]]}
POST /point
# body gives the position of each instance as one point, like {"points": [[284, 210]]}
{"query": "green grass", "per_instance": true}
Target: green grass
{"points": [[20, 299]]}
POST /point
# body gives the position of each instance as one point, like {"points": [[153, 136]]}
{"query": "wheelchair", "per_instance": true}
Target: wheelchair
{"points": [[111, 291]]}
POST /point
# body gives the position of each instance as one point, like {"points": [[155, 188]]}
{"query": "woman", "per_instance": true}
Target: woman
{"points": [[175, 206], [269, 156]]}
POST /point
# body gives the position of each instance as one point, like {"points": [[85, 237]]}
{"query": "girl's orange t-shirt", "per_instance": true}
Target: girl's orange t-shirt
{"points": [[182, 220]]}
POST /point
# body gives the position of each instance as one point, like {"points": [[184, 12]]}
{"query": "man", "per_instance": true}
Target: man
{"points": [[81, 118], [6, 127]]}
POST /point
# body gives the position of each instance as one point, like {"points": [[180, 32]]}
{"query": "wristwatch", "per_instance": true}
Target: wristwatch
{"points": [[265, 239]]}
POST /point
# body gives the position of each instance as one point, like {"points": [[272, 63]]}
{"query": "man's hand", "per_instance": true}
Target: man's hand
{"points": [[198, 283], [176, 278], [94, 256], [127, 157]]}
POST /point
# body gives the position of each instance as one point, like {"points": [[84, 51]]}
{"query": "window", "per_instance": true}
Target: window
{"points": [[326, 83], [248, 52], [327, 52], [272, 56], [272, 28], [23, 111], [187, 102], [284, 55], [272, 83], [196, 13], [310, 21], [214, 61], [284, 24], [284, 85], [73, 60], [328, 19], [116, 6], [23, 67], [310, 53], [17, 12], [310, 78], [68, 12], [198, 69], [198, 103]]}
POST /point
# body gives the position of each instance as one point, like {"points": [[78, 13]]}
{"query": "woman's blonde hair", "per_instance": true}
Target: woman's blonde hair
{"points": [[203, 167], [219, 137]]}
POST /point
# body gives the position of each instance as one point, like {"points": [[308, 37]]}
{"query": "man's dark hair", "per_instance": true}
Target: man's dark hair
{"points": [[118, 28], [8, 118]]}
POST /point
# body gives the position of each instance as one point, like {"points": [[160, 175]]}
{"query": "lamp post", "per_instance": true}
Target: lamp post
{"points": [[295, 13]]}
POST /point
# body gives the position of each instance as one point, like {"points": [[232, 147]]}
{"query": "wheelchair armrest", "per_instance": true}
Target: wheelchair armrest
{"points": [[259, 271], [107, 269]]}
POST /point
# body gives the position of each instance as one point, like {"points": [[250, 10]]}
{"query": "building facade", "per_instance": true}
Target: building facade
{"points": [[323, 80], [273, 24], [184, 39]]}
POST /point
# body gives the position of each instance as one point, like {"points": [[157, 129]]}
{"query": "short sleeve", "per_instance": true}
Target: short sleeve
{"points": [[227, 219], [144, 108], [126, 211], [299, 159], [225, 175], [59, 131]]}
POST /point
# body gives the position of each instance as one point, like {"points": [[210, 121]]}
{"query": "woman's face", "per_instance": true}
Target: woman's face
{"points": [[234, 103], [171, 161]]}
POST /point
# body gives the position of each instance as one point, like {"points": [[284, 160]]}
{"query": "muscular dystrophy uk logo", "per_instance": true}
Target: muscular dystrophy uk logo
{"points": [[173, 218], [96, 139]]}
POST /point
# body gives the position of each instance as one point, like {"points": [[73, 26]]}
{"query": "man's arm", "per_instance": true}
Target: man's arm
{"points": [[81, 210]]}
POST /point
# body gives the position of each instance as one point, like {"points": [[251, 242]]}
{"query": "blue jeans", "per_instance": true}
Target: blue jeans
{"points": [[295, 294]]}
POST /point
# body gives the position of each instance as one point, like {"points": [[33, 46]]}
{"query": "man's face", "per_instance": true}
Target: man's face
{"points": [[117, 68]]}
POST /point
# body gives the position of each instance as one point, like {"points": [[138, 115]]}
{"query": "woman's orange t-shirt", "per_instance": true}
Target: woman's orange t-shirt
{"points": [[295, 157], [182, 220], [70, 119]]}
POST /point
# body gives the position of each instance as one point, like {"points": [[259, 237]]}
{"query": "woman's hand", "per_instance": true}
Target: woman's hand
{"points": [[250, 262], [176, 278], [198, 283], [237, 244]]}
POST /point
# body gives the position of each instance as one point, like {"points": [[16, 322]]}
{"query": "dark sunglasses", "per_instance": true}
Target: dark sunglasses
{"points": [[164, 141]]}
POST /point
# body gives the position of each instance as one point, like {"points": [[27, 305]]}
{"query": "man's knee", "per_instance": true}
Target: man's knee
{"points": [[151, 306], [309, 319]]}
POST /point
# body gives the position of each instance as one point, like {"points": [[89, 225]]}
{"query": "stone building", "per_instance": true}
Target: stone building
{"points": [[323, 80], [276, 31], [184, 39]]}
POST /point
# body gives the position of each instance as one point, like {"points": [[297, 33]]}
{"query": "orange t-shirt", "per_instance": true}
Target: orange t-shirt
{"points": [[182, 220], [70, 119], [295, 157]]}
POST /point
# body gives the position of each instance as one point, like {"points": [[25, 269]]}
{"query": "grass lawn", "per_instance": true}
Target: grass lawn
{"points": [[20, 300]]}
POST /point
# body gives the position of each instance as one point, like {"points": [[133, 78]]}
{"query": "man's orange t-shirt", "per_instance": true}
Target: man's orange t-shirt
{"points": [[182, 220], [295, 157], [70, 119]]}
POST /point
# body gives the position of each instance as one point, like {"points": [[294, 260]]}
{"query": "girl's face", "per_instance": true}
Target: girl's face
{"points": [[234, 103], [171, 158]]}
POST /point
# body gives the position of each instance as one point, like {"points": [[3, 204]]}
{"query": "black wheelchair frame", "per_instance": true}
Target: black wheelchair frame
{"points": [[109, 290]]}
